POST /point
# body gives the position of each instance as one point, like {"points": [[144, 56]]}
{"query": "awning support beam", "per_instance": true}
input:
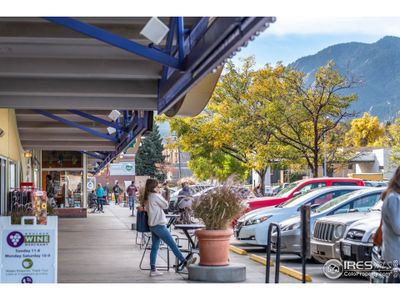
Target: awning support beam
{"points": [[94, 118], [76, 125], [94, 155], [137, 127], [116, 40]]}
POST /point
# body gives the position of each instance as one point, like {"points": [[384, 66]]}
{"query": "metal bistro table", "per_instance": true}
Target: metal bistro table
{"points": [[186, 228], [171, 219]]}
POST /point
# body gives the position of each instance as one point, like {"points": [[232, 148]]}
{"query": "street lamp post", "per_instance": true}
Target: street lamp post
{"points": [[179, 162], [179, 156]]}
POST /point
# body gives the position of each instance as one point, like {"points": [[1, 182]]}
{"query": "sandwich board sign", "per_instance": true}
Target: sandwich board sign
{"points": [[28, 252]]}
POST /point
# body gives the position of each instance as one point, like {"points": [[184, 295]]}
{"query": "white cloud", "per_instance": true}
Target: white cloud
{"points": [[335, 25]]}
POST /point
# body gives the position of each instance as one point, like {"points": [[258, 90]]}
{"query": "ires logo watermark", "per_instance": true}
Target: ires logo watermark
{"points": [[334, 268]]}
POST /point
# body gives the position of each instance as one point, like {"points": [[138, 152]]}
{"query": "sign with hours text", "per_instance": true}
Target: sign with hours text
{"points": [[28, 252]]}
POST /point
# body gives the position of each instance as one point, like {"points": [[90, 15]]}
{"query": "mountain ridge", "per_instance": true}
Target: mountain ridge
{"points": [[376, 64]]}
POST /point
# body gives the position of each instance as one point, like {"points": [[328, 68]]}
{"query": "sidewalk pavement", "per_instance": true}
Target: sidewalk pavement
{"points": [[102, 249]]}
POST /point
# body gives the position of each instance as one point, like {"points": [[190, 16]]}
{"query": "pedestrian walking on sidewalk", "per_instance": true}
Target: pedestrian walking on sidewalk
{"points": [[116, 190], [100, 197], [391, 227], [131, 191], [155, 204]]}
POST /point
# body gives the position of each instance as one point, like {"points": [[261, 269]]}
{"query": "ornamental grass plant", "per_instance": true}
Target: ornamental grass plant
{"points": [[218, 208], [141, 199]]}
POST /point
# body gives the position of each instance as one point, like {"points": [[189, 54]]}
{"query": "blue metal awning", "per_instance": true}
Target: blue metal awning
{"points": [[71, 72]]}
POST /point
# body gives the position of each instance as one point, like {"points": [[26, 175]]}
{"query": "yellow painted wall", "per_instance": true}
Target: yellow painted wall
{"points": [[10, 144]]}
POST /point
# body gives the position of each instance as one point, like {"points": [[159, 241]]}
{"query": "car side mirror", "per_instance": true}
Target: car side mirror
{"points": [[296, 193], [353, 210]]}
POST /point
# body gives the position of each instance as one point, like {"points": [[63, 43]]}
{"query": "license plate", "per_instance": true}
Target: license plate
{"points": [[346, 249]]}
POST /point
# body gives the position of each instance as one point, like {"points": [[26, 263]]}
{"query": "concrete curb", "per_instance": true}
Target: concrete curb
{"points": [[237, 250], [284, 270], [294, 273], [260, 260]]}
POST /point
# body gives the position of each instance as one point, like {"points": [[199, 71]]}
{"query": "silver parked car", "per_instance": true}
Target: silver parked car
{"points": [[357, 201], [252, 227], [357, 243], [328, 232]]}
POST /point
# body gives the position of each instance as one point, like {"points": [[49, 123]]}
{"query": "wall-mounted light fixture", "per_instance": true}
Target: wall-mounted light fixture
{"points": [[155, 30], [111, 130], [114, 115], [1, 132], [28, 154]]}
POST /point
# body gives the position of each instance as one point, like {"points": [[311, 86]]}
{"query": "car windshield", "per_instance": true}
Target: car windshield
{"points": [[299, 199], [336, 201], [287, 190]]}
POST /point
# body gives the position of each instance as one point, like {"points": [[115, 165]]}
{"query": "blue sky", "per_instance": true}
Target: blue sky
{"points": [[290, 38]]}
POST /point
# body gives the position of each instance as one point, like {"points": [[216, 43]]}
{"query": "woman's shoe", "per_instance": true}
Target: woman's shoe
{"points": [[190, 261], [155, 273]]}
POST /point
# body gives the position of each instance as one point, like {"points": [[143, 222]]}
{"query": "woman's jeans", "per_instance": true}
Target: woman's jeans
{"points": [[158, 233]]}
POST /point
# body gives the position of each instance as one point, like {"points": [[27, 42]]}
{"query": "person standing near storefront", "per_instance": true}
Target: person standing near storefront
{"points": [[100, 197], [131, 191], [116, 190], [107, 193], [391, 227]]}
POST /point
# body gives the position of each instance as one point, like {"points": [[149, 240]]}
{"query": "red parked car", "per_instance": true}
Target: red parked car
{"points": [[298, 188]]}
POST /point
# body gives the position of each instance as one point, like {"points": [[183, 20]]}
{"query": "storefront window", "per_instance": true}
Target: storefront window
{"points": [[3, 184], [13, 175], [62, 178], [61, 159]]}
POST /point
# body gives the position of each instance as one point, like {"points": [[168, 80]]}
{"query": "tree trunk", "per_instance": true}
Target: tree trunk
{"points": [[262, 179], [315, 167]]}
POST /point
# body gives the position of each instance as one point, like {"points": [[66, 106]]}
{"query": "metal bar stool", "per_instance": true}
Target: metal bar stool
{"points": [[147, 246]]}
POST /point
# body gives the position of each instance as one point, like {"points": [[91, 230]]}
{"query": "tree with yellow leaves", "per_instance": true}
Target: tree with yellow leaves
{"points": [[300, 115], [366, 132], [232, 135]]}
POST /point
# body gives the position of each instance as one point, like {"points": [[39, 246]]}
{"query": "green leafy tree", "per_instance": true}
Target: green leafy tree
{"points": [[149, 158]]}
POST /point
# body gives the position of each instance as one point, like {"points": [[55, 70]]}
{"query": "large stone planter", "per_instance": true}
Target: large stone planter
{"points": [[214, 247]]}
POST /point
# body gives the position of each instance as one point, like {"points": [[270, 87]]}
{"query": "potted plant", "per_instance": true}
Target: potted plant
{"points": [[216, 209]]}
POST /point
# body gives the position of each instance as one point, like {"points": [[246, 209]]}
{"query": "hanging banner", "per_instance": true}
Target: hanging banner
{"points": [[28, 252], [122, 168]]}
